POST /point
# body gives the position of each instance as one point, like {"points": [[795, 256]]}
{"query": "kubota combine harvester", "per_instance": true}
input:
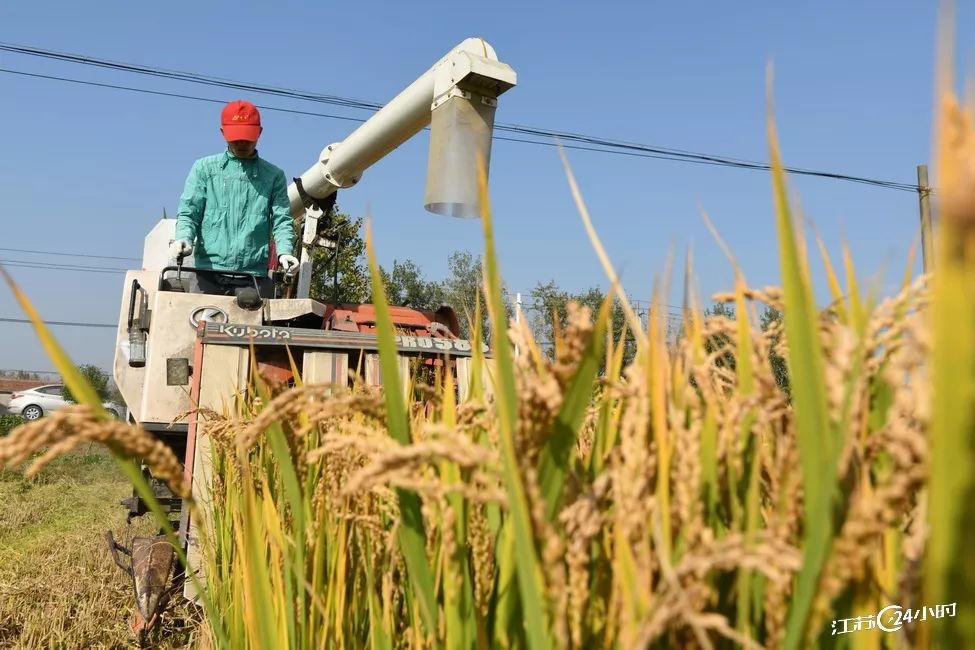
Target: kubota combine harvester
{"points": [[179, 351]]}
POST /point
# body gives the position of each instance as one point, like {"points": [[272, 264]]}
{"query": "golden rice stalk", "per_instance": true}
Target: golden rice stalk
{"points": [[681, 598], [871, 513], [582, 521], [408, 458], [482, 555], [318, 402], [948, 566]]}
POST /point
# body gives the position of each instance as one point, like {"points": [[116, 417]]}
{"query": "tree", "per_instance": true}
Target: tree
{"points": [[771, 315], [551, 305], [593, 298], [406, 287], [353, 269], [405, 284], [549, 302], [96, 377], [779, 367], [464, 287], [717, 341]]}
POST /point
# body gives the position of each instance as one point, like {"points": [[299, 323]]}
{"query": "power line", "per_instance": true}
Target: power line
{"points": [[661, 153], [175, 95], [530, 302], [588, 143], [190, 77], [618, 148], [58, 322], [700, 159], [279, 109], [102, 257], [61, 267], [670, 311]]}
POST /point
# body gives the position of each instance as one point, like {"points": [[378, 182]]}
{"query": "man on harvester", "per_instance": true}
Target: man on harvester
{"points": [[234, 212]]}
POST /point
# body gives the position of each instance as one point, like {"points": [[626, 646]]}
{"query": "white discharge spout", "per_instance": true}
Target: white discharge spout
{"points": [[459, 94]]}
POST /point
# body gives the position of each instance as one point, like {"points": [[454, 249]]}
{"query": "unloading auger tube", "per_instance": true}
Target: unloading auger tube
{"points": [[457, 97]]}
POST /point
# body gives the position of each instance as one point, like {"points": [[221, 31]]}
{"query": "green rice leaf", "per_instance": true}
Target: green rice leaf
{"points": [[554, 457], [530, 577], [817, 439], [412, 536]]}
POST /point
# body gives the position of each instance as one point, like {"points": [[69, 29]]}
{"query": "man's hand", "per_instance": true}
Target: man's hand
{"points": [[180, 248], [289, 263]]}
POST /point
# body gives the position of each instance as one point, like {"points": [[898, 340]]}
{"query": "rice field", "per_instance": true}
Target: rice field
{"points": [[686, 499]]}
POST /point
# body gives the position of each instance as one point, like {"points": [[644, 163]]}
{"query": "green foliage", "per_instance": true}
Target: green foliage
{"points": [[97, 378], [779, 366], [770, 317], [551, 305], [406, 287], [405, 284], [531, 580], [9, 422], [353, 274], [412, 536], [818, 438], [716, 342], [463, 290]]}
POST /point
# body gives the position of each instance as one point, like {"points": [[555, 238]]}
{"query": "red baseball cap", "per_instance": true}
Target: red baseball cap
{"points": [[240, 120]]}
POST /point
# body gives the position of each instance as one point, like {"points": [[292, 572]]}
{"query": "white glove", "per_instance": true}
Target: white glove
{"points": [[180, 248], [289, 263]]}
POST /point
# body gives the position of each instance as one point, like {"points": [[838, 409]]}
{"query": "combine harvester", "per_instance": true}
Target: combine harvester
{"points": [[178, 351]]}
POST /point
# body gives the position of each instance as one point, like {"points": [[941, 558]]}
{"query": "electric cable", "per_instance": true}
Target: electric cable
{"points": [[102, 257], [58, 322], [583, 142]]}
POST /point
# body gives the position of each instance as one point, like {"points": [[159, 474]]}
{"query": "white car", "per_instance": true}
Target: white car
{"points": [[38, 402]]}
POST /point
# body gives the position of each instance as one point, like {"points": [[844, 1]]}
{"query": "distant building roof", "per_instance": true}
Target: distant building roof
{"points": [[10, 385]]}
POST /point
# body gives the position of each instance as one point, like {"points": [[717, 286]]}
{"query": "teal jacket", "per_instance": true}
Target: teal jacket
{"points": [[229, 209]]}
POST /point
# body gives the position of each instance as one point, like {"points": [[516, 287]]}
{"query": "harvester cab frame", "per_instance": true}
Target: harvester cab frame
{"points": [[179, 353]]}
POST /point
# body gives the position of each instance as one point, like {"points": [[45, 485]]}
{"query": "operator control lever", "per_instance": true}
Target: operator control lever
{"points": [[179, 268]]}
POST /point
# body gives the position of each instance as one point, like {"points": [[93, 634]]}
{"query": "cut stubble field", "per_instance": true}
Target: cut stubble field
{"points": [[59, 587]]}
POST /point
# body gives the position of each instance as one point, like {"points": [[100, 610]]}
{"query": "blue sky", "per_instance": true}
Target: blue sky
{"points": [[89, 170]]}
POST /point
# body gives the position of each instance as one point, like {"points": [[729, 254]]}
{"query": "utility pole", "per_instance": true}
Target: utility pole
{"points": [[517, 317], [927, 235]]}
